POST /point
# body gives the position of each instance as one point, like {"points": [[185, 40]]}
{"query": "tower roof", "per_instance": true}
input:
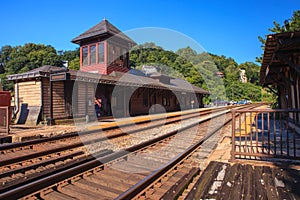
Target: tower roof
{"points": [[104, 28]]}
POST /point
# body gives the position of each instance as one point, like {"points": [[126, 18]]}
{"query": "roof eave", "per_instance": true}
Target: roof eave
{"points": [[14, 77]]}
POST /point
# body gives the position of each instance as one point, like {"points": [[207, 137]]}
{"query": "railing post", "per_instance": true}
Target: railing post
{"points": [[273, 139], [7, 119], [233, 136]]}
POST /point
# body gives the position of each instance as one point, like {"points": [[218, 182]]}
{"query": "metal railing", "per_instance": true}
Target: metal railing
{"points": [[4, 119], [263, 134]]}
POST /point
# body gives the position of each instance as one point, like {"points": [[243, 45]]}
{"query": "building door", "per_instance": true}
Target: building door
{"points": [[153, 102], [68, 97]]}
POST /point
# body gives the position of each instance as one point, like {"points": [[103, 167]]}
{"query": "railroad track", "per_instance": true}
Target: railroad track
{"points": [[81, 163], [20, 162]]}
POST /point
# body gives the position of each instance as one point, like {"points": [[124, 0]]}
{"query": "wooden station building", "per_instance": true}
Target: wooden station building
{"points": [[51, 92], [281, 68]]}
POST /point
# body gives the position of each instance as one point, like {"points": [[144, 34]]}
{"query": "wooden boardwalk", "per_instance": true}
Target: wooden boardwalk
{"points": [[244, 181]]}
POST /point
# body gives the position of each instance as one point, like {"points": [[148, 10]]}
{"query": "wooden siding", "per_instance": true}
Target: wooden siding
{"points": [[107, 67], [85, 99], [81, 93], [137, 101], [113, 68], [90, 99], [144, 101], [69, 85], [46, 96], [58, 100], [30, 92], [97, 68]]}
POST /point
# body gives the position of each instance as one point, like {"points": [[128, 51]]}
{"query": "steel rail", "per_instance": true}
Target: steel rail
{"points": [[140, 186], [77, 171], [79, 144], [75, 134], [30, 177]]}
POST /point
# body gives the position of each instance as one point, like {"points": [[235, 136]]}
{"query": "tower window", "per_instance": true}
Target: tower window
{"points": [[118, 54], [101, 52], [93, 54], [85, 55], [111, 53]]}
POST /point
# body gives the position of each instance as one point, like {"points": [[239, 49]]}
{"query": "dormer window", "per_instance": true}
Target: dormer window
{"points": [[92, 54], [101, 52], [85, 53]]}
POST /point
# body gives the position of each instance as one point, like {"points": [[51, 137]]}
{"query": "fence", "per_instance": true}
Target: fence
{"points": [[263, 134], [4, 119]]}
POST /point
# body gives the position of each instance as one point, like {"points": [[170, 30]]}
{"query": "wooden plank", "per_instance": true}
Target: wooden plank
{"points": [[108, 181], [77, 192], [248, 182], [230, 176], [57, 195], [104, 192], [269, 183], [287, 183], [238, 184], [260, 192], [180, 185], [33, 115], [202, 186]]}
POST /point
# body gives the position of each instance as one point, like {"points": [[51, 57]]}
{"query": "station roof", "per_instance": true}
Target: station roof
{"points": [[102, 29], [43, 71], [132, 78], [277, 47]]}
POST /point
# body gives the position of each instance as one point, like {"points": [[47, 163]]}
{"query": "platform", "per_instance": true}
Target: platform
{"points": [[20, 133], [245, 181]]}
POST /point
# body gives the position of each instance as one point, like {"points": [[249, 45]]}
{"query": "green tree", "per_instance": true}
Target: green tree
{"points": [[186, 53], [74, 64], [289, 25], [73, 58], [20, 59], [238, 91]]}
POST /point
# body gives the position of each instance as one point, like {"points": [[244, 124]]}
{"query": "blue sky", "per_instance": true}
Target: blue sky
{"points": [[228, 27]]}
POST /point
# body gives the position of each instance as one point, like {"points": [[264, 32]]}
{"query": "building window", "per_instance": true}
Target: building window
{"points": [[118, 54], [166, 100], [124, 57], [85, 52], [111, 53], [145, 97], [175, 100], [101, 52], [93, 54]]}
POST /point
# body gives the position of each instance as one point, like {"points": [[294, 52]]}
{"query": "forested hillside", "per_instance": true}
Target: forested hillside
{"points": [[217, 74], [21, 59]]}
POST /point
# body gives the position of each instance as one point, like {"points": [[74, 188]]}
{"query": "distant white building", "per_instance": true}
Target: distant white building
{"points": [[149, 69], [243, 77]]}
